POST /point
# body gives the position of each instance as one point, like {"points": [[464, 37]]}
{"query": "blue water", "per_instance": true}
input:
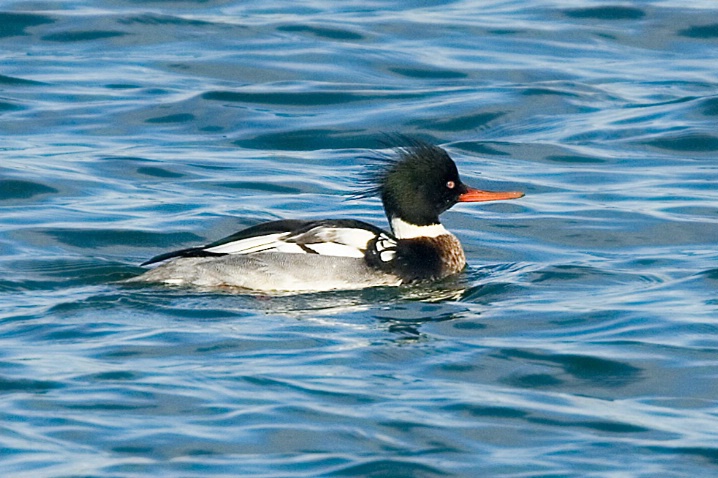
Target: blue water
{"points": [[581, 342]]}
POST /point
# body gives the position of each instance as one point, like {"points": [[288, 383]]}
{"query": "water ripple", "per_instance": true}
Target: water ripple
{"points": [[580, 341]]}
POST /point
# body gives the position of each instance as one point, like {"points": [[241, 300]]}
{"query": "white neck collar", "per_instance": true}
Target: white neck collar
{"points": [[404, 230]]}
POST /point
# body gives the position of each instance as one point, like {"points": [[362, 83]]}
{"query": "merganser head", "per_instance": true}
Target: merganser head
{"points": [[421, 181]]}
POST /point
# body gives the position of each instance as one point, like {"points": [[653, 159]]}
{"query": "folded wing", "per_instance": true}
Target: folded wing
{"points": [[332, 237]]}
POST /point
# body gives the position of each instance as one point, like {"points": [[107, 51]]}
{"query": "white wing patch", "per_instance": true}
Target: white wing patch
{"points": [[322, 240], [354, 237], [334, 249], [386, 247], [270, 242]]}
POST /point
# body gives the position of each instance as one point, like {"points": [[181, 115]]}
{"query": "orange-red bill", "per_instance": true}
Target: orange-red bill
{"points": [[477, 195]]}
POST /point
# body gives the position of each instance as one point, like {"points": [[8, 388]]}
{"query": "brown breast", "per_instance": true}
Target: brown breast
{"points": [[426, 258], [452, 254]]}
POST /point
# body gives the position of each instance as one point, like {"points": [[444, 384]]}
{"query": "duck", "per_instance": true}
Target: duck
{"points": [[417, 182]]}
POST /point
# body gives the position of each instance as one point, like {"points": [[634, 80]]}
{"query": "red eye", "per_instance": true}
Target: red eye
{"points": [[450, 184]]}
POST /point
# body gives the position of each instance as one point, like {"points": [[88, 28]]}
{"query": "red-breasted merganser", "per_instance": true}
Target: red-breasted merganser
{"points": [[416, 185]]}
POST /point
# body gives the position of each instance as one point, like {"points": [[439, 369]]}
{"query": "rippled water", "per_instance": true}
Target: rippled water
{"points": [[582, 340]]}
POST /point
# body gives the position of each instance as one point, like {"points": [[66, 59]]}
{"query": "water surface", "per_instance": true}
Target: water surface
{"points": [[581, 341]]}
